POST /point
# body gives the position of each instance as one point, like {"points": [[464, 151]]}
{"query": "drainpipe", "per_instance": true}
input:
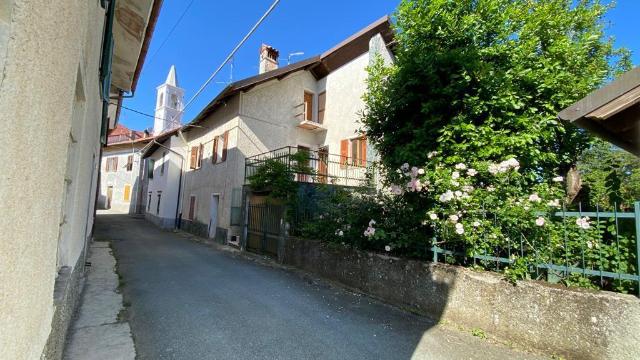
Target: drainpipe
{"points": [[105, 68], [176, 222]]}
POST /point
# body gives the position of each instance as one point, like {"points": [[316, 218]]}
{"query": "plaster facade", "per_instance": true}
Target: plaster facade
{"points": [[51, 109], [266, 117], [120, 187]]}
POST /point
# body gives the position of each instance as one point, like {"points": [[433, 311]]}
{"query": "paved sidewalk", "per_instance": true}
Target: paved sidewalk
{"points": [[97, 332]]}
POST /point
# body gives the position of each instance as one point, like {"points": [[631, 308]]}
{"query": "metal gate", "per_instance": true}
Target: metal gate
{"points": [[264, 228]]}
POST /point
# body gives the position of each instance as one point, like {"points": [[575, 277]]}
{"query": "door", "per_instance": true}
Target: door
{"points": [[109, 196], [127, 193], [323, 164], [213, 216]]}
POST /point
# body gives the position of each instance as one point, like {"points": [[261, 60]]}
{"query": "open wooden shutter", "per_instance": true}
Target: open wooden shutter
{"points": [[200, 154], [214, 157], [344, 153], [363, 151], [225, 144], [308, 106], [322, 100], [194, 157]]}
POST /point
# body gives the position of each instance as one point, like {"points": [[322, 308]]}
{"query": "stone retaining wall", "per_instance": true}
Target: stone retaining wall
{"points": [[574, 323]]}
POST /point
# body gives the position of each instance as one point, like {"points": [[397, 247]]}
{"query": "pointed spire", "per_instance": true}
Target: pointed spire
{"points": [[172, 78]]}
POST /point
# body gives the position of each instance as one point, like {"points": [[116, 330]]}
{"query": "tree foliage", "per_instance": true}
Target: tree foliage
{"points": [[485, 80]]}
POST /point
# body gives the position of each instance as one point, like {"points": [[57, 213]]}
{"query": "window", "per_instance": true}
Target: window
{"points": [[129, 162], [111, 164], [127, 193], [192, 207], [308, 106], [200, 151], [158, 204], [164, 155], [322, 101], [174, 101], [149, 202], [150, 167], [220, 148], [196, 157], [161, 100], [359, 152], [358, 148]]}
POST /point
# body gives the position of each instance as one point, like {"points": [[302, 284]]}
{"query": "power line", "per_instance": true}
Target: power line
{"points": [[253, 29], [171, 31]]}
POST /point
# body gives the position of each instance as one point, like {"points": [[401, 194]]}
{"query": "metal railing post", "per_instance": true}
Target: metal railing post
{"points": [[636, 218]]}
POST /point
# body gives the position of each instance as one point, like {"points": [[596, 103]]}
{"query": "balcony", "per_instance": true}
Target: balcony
{"points": [[324, 168], [311, 125]]}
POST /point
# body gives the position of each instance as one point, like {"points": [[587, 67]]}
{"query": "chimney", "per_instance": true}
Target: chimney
{"points": [[268, 58]]}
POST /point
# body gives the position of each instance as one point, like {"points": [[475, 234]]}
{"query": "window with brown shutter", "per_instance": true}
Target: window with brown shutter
{"points": [[359, 152], [214, 156], [194, 157], [344, 153], [322, 101], [308, 106], [192, 208], [129, 162], [200, 151], [225, 144]]}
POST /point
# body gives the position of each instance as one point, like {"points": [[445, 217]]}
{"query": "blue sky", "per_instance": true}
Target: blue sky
{"points": [[211, 29]]}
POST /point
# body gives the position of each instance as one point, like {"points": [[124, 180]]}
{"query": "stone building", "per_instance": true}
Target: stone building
{"points": [[311, 105], [64, 67]]}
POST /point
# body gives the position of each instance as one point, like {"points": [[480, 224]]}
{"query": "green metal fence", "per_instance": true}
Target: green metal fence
{"points": [[611, 258]]}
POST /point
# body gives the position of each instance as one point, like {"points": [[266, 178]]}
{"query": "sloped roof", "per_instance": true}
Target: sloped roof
{"points": [[611, 112], [319, 65]]}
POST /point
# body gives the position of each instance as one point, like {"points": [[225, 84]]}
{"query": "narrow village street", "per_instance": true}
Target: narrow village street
{"points": [[187, 300]]}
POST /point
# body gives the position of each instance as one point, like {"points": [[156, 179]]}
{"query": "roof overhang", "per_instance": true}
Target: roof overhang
{"points": [[611, 112]]}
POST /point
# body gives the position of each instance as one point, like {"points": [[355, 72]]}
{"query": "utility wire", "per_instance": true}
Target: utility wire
{"points": [[253, 29], [229, 57], [171, 31]]}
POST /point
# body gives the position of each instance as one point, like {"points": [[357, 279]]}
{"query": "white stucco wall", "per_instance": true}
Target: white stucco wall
{"points": [[50, 114], [167, 182], [121, 177]]}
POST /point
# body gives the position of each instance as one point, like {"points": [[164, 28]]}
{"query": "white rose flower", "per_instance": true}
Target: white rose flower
{"points": [[540, 221], [453, 218], [387, 248], [534, 198], [340, 233], [472, 172], [421, 171], [583, 222], [432, 154], [455, 175], [459, 229], [461, 166], [372, 222], [476, 223], [433, 216]]}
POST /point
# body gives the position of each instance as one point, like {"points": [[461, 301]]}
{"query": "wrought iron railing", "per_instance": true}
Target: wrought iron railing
{"points": [[323, 168]]}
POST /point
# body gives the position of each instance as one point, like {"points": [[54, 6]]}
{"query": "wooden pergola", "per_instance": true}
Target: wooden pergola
{"points": [[611, 112]]}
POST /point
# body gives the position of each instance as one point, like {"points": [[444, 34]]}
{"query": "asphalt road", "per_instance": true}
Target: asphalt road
{"points": [[187, 300]]}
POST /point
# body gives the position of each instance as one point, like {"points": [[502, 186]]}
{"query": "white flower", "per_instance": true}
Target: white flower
{"points": [[540, 221], [558, 179], [372, 222], [340, 233], [467, 188], [461, 166], [583, 222], [458, 193], [476, 223], [396, 190], [455, 175], [433, 216], [404, 167], [589, 244], [534, 198], [472, 172], [454, 183], [387, 248], [399, 171], [369, 232], [459, 229], [453, 218], [432, 154], [446, 197], [494, 169], [491, 188], [554, 203], [421, 171]]}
